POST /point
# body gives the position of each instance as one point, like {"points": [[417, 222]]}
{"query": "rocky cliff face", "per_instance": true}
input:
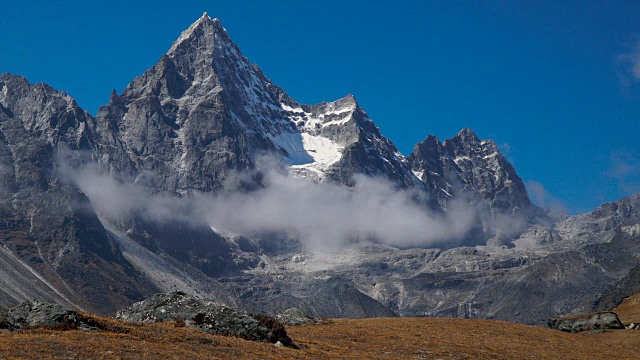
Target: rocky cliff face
{"points": [[204, 111], [593, 257], [467, 168], [471, 168], [47, 224]]}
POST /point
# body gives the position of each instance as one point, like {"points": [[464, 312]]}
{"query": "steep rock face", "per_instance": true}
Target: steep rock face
{"points": [[322, 297], [46, 222], [204, 111], [593, 257], [602, 223], [465, 167], [173, 128]]}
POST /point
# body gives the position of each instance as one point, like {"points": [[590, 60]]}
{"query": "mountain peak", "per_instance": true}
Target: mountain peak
{"points": [[204, 26], [206, 17], [468, 136], [348, 100], [466, 132]]}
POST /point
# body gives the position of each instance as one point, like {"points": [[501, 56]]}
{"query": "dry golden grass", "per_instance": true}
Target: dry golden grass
{"points": [[399, 338], [629, 310]]}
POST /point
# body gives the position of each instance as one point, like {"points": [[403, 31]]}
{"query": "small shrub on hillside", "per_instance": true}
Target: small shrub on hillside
{"points": [[278, 332]]}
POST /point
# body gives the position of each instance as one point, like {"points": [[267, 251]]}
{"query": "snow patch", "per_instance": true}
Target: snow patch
{"points": [[490, 155], [307, 151], [286, 107], [461, 158], [5, 90]]}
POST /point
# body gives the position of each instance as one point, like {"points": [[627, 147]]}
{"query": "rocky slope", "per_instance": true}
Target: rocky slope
{"points": [[474, 170], [50, 233]]}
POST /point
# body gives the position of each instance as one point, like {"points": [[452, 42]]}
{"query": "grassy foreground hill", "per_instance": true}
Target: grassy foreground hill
{"points": [[380, 338]]}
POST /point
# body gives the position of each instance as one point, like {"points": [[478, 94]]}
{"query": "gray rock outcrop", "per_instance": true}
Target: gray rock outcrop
{"points": [[598, 321], [38, 314], [208, 316], [296, 317]]}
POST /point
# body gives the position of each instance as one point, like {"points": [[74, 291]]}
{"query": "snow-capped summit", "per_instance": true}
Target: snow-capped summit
{"points": [[204, 110]]}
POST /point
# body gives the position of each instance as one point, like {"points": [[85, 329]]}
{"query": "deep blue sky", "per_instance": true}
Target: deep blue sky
{"points": [[553, 83]]}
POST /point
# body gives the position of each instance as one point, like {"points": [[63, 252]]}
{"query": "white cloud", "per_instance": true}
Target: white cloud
{"points": [[625, 169], [628, 64], [541, 197], [505, 149], [322, 216]]}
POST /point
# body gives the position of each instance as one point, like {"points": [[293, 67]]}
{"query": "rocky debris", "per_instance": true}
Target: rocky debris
{"points": [[597, 321], [296, 317], [38, 314], [208, 316], [633, 326], [329, 297]]}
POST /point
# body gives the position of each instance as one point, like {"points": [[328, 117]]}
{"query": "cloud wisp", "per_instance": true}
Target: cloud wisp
{"points": [[322, 216], [542, 197], [628, 65], [625, 170]]}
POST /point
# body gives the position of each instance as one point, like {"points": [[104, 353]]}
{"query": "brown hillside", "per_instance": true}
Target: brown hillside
{"points": [[387, 338]]}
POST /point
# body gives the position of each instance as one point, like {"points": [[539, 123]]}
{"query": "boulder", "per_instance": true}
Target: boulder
{"points": [[38, 314], [208, 316], [594, 321], [296, 317]]}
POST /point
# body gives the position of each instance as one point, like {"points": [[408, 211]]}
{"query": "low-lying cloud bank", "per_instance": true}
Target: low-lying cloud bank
{"points": [[321, 216]]}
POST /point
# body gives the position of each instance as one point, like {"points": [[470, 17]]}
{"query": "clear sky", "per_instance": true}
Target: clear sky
{"points": [[555, 83]]}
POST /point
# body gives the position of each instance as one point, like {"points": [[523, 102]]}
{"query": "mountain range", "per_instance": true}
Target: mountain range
{"points": [[205, 177]]}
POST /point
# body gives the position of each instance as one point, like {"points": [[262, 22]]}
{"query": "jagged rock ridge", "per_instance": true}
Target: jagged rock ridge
{"points": [[49, 230]]}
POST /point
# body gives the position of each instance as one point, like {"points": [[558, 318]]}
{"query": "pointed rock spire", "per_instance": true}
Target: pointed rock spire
{"points": [[113, 98], [467, 136], [204, 26]]}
